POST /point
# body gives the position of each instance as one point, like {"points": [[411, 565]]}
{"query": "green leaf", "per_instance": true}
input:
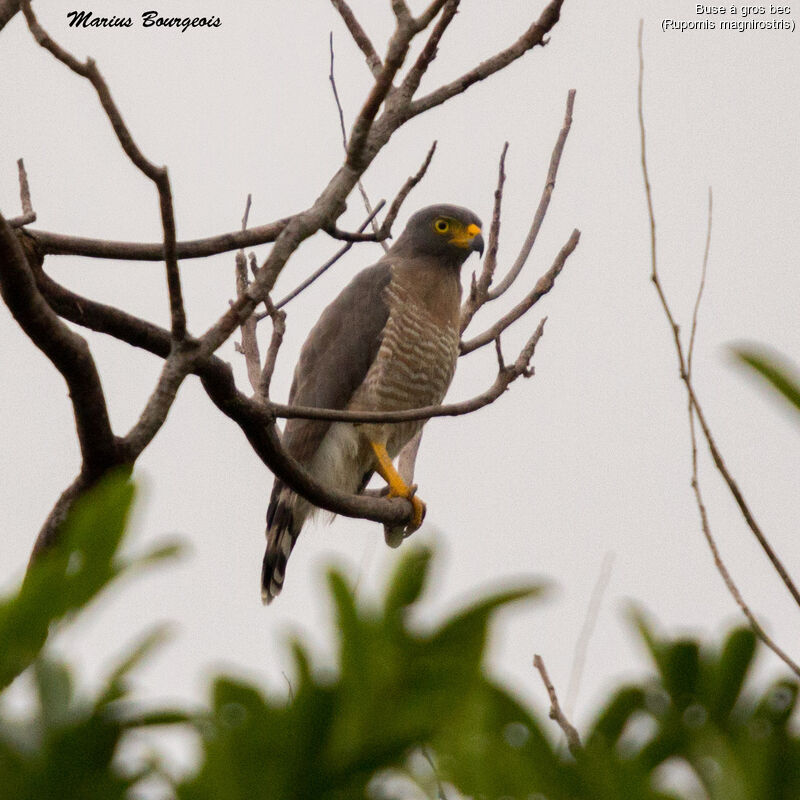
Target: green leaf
{"points": [[68, 575], [115, 683], [731, 670], [493, 746], [407, 581], [681, 671], [161, 552], [654, 647], [54, 686], [612, 720], [463, 636], [778, 375]]}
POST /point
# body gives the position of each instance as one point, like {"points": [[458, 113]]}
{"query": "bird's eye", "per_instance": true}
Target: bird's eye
{"points": [[441, 226]]}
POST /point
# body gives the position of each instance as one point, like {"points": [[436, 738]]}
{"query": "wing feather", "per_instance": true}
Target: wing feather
{"points": [[337, 355]]}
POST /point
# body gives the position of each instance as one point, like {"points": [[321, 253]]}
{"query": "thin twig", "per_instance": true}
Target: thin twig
{"points": [[542, 287], [360, 184], [158, 175], [723, 570], [480, 287], [690, 352], [427, 16], [441, 794], [359, 36], [536, 35], [252, 416], [694, 406], [67, 350], [60, 244], [505, 377], [544, 202], [386, 226], [327, 265], [571, 733], [589, 623], [249, 344], [428, 53], [278, 330], [384, 231], [28, 214]]}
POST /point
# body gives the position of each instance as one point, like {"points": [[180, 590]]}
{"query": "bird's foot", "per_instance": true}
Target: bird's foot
{"points": [[418, 514], [395, 535], [398, 488]]}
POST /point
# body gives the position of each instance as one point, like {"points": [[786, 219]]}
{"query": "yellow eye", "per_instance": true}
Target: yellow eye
{"points": [[441, 226]]}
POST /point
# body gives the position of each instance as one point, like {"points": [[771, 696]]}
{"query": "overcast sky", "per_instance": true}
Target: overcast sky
{"points": [[589, 457]]}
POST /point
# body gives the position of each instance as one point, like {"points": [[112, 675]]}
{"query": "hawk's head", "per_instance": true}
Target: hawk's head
{"points": [[448, 233]]}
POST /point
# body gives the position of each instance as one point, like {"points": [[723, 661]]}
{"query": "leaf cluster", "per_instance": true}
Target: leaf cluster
{"points": [[408, 711]]}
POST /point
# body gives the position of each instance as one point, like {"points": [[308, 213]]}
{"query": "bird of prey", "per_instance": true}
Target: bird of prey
{"points": [[388, 342]]}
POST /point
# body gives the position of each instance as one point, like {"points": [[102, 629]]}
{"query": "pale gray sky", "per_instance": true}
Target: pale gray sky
{"points": [[589, 456]]}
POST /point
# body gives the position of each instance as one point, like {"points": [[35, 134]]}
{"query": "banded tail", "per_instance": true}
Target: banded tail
{"points": [[284, 521]]}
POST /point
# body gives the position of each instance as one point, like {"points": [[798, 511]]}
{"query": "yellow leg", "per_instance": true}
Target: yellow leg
{"points": [[397, 486]]}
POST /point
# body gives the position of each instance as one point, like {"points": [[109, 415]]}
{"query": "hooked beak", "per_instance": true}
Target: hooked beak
{"points": [[470, 239]]}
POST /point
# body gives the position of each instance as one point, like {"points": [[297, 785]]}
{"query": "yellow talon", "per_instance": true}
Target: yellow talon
{"points": [[419, 514], [397, 486]]}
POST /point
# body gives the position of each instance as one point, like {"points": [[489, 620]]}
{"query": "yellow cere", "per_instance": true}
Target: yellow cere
{"points": [[464, 236]]}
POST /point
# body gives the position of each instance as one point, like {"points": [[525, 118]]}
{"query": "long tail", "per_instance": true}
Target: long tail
{"points": [[285, 518]]}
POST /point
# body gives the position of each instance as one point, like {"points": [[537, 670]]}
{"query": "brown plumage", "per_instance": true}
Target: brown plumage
{"points": [[388, 342]]}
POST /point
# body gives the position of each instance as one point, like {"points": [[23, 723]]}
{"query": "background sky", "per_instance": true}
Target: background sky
{"points": [[588, 458]]}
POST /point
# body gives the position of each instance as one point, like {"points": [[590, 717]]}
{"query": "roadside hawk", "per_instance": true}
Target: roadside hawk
{"points": [[388, 342]]}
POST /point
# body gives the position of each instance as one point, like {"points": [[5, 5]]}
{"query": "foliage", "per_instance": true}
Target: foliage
{"points": [[768, 365], [398, 691], [67, 747]]}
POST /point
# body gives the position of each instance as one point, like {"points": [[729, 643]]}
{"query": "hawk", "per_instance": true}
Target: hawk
{"points": [[388, 342]]}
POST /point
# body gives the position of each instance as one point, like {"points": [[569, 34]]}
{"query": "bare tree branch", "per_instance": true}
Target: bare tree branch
{"points": [[695, 409], [700, 288], [253, 417], [505, 377], [158, 175], [571, 733], [411, 182], [479, 289], [249, 344], [28, 214], [587, 629], [428, 53], [327, 265], [67, 350], [361, 189], [103, 318], [278, 329], [395, 55], [8, 9], [384, 231], [544, 203], [535, 35], [65, 245], [427, 16], [359, 36], [542, 287], [402, 12], [180, 363], [258, 424]]}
